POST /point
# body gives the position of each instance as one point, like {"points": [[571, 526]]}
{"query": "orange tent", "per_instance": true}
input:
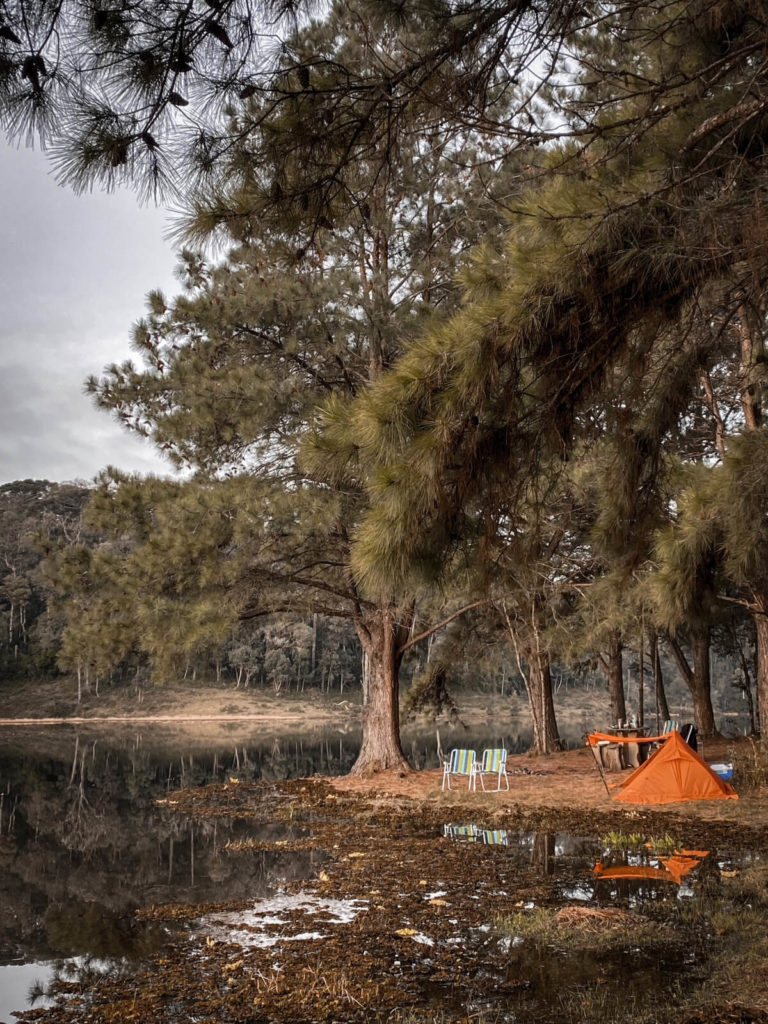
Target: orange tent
{"points": [[673, 773]]}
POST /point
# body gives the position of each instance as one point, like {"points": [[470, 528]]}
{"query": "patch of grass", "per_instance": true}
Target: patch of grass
{"points": [[604, 1005], [750, 764], [582, 928], [623, 840], [638, 840]]}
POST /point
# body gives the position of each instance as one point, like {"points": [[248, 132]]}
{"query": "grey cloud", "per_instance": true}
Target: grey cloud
{"points": [[74, 271]]}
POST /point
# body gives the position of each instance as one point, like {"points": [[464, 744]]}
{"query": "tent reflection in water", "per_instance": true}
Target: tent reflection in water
{"points": [[670, 869], [671, 774]]}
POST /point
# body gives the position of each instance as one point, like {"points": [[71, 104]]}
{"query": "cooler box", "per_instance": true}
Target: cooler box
{"points": [[724, 769]]}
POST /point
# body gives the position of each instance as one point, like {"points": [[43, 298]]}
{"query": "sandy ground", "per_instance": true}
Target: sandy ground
{"points": [[568, 780], [185, 703]]}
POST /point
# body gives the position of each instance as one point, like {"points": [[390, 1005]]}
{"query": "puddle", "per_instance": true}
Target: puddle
{"points": [[272, 921], [28, 985]]}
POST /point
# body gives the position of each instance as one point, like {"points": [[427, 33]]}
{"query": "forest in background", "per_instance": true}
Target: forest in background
{"points": [[285, 655]]}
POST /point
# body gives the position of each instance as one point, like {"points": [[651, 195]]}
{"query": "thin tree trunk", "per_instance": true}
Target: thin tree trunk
{"points": [[314, 645], [662, 708], [545, 733], [750, 401], [697, 679], [747, 688], [614, 671], [538, 684], [761, 673], [641, 681]]}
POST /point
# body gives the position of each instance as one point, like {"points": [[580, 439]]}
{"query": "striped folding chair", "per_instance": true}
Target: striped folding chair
{"points": [[494, 763], [495, 837], [463, 763], [463, 833]]}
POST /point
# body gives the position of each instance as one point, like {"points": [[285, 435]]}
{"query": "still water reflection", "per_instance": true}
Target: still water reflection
{"points": [[84, 842]]}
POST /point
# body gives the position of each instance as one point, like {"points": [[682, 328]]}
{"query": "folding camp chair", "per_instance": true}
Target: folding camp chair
{"points": [[670, 725], [463, 763], [494, 762], [495, 837], [463, 833]]}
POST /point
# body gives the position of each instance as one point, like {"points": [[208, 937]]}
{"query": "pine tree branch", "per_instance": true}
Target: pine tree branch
{"points": [[293, 357], [439, 625]]}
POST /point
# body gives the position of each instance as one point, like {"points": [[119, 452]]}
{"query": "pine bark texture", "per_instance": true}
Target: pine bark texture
{"points": [[539, 684], [761, 681], [382, 635], [697, 679], [662, 708], [615, 673]]}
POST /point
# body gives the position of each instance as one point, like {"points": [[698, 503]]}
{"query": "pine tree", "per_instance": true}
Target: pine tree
{"points": [[156, 94], [613, 250], [247, 379]]}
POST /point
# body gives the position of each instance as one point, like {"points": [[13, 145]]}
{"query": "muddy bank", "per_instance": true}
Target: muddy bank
{"points": [[425, 906]]}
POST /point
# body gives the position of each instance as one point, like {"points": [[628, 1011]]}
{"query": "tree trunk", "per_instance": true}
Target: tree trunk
{"points": [[545, 733], [538, 684], [662, 708], [747, 691], [314, 646], [382, 634], [761, 673], [697, 679], [614, 671]]}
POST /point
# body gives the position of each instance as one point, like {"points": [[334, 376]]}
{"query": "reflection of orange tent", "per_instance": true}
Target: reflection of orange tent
{"points": [[679, 865], [634, 871], [675, 868], [674, 772]]}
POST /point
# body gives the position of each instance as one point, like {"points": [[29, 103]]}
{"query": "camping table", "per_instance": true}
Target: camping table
{"points": [[634, 753]]}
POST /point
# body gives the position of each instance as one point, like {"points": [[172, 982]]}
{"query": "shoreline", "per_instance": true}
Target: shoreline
{"points": [[150, 719]]}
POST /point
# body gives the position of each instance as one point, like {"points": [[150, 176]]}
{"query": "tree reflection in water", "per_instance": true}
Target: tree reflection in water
{"points": [[84, 841]]}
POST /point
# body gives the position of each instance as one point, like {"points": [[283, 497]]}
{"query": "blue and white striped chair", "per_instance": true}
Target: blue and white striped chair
{"points": [[463, 763], [463, 833], [495, 837], [494, 763]]}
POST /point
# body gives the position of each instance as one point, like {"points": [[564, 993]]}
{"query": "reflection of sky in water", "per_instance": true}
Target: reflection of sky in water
{"points": [[16, 980], [255, 928]]}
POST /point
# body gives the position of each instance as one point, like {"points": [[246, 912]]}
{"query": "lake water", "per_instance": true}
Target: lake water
{"points": [[86, 840], [84, 843]]}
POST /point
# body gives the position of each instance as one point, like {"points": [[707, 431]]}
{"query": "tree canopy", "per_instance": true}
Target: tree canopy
{"points": [[563, 421]]}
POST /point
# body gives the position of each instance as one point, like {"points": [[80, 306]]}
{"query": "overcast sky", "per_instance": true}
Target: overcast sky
{"points": [[74, 271]]}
